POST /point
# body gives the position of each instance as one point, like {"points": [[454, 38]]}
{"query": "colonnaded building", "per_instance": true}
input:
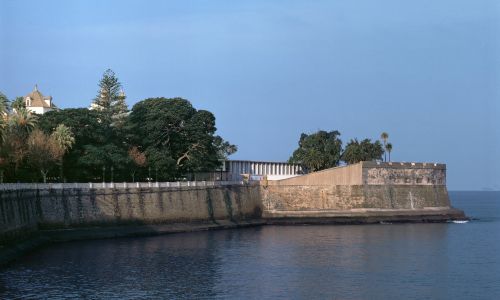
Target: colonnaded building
{"points": [[256, 170], [37, 103]]}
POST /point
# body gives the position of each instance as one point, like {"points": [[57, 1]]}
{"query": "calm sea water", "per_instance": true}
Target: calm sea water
{"points": [[395, 261]]}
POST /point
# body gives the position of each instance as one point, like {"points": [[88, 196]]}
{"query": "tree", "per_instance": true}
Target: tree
{"points": [[384, 136], [18, 103], [225, 149], [318, 151], [65, 140], [105, 157], [4, 103], [43, 152], [365, 150], [21, 124], [88, 132], [176, 138], [138, 160], [388, 148], [110, 100], [4, 107]]}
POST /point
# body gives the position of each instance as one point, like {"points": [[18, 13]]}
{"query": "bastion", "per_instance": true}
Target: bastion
{"points": [[367, 192]]}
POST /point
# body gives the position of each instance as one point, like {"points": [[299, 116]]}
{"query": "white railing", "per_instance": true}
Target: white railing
{"points": [[119, 185]]}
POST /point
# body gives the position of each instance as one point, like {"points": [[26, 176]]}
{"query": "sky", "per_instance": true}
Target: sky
{"points": [[427, 72]]}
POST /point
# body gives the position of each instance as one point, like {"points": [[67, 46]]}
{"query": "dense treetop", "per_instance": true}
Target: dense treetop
{"points": [[323, 150], [167, 139]]}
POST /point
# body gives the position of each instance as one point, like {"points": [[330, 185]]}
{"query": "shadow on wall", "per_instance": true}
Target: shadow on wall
{"points": [[23, 210]]}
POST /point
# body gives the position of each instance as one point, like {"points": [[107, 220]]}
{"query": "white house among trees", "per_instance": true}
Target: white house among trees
{"points": [[38, 103]]}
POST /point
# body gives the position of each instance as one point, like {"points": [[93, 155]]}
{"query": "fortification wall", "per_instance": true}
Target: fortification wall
{"points": [[366, 185], [69, 208], [404, 173], [346, 175], [18, 215], [347, 197]]}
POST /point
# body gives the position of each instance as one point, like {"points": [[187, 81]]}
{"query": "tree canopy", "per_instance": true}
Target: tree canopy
{"points": [[365, 150], [322, 150], [176, 138], [167, 136], [318, 151]]}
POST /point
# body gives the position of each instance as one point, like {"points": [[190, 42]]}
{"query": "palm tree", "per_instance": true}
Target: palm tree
{"points": [[65, 140], [384, 136], [4, 105], [23, 121], [388, 148], [20, 125], [18, 104]]}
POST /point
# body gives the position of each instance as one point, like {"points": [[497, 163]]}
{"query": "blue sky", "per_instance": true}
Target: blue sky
{"points": [[427, 72]]}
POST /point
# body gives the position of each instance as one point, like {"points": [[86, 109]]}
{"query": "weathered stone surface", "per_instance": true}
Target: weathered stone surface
{"points": [[23, 210], [367, 185]]}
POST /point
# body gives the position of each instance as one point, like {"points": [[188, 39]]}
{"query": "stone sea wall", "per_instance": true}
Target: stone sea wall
{"points": [[380, 188], [24, 210], [366, 185], [348, 197]]}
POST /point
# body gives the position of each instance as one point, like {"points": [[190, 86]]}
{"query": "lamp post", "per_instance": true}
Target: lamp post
{"points": [[149, 173], [156, 169], [112, 169]]}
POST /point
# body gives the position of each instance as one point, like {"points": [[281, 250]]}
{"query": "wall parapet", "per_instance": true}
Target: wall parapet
{"points": [[117, 185]]}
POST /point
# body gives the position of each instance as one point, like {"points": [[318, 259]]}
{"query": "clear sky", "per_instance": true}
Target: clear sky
{"points": [[426, 71]]}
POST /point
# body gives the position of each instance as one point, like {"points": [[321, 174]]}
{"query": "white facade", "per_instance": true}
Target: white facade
{"points": [[38, 109], [259, 169], [37, 103]]}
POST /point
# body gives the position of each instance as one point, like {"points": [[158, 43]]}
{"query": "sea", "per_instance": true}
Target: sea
{"points": [[381, 261]]}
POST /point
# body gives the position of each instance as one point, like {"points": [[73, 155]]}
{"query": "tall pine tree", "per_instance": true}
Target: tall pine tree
{"points": [[110, 100]]}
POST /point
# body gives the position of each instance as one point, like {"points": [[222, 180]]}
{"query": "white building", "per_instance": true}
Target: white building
{"points": [[38, 103], [258, 169]]}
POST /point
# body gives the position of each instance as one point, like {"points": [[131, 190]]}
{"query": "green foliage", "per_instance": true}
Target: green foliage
{"points": [[388, 148], [365, 150], [64, 137], [177, 138], [4, 103], [318, 151], [162, 138], [18, 103], [95, 146], [384, 136], [110, 100]]}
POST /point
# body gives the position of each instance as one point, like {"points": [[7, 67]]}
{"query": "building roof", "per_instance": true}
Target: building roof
{"points": [[38, 100]]}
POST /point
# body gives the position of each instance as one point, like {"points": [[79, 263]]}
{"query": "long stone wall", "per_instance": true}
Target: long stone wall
{"points": [[390, 187], [18, 214], [22, 210]]}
